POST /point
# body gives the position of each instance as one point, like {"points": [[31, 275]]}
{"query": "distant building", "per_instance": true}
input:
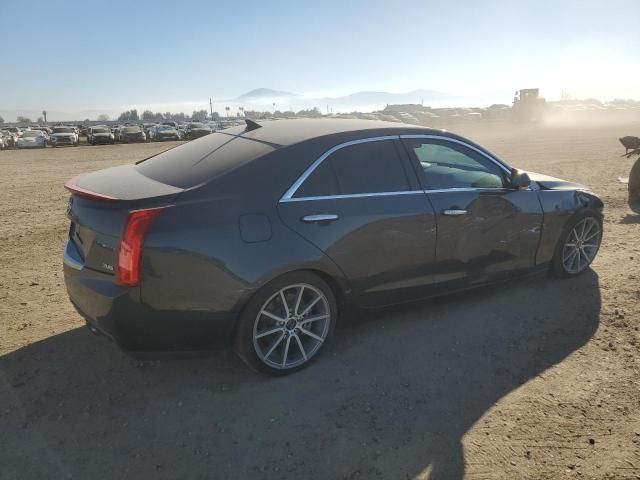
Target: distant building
{"points": [[406, 108]]}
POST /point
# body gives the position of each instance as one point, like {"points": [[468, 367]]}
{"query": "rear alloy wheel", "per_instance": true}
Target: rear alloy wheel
{"points": [[579, 246], [286, 324]]}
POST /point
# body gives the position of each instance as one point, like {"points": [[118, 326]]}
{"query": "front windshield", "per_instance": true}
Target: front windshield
{"points": [[32, 133], [197, 125], [131, 129], [101, 130], [165, 128], [63, 130]]}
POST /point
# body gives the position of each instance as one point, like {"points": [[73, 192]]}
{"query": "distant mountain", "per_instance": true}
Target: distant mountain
{"points": [[381, 99], [261, 98], [262, 93]]}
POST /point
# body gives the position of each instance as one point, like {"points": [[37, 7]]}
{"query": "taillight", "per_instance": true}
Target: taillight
{"points": [[81, 192], [130, 252]]}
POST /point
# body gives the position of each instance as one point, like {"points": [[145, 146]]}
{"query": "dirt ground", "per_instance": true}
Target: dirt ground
{"points": [[537, 379]]}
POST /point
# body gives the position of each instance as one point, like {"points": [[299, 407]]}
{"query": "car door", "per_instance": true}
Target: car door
{"points": [[486, 228], [360, 204]]}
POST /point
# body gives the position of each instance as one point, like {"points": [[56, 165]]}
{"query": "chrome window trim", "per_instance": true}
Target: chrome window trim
{"points": [[352, 195], [288, 196], [477, 189], [464, 144]]}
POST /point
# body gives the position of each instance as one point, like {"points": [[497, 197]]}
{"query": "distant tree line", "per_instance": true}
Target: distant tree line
{"points": [[257, 115], [202, 115]]}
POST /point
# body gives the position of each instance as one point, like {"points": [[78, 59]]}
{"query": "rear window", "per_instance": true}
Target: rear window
{"points": [[201, 160], [32, 133]]}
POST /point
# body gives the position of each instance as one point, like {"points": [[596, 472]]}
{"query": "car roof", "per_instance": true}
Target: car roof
{"points": [[297, 141], [290, 131]]}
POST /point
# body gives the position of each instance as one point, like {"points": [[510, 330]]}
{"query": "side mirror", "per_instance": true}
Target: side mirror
{"points": [[519, 179]]}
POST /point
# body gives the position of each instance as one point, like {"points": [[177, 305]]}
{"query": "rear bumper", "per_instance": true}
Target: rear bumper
{"points": [[118, 313]]}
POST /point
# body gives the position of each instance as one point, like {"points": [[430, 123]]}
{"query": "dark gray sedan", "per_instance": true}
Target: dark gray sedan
{"points": [[265, 235]]}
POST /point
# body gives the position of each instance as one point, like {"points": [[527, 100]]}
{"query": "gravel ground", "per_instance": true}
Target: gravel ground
{"points": [[538, 378]]}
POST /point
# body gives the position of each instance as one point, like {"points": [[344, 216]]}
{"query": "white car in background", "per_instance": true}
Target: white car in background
{"points": [[32, 139], [63, 136]]}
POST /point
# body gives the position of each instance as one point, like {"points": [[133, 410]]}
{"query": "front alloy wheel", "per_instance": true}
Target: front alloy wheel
{"points": [[286, 324], [579, 247]]}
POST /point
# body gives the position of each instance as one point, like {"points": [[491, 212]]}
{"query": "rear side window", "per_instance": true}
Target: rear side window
{"points": [[321, 182], [369, 167]]}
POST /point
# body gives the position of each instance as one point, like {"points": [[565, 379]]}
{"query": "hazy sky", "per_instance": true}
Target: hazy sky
{"points": [[67, 55]]}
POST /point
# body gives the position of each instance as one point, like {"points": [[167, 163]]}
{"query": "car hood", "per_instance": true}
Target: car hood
{"points": [[63, 135], [101, 134], [551, 183]]}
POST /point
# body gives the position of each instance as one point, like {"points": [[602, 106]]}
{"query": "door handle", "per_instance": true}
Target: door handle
{"points": [[454, 212], [328, 217]]}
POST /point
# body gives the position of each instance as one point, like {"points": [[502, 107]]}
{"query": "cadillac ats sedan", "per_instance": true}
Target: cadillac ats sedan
{"points": [[263, 236]]}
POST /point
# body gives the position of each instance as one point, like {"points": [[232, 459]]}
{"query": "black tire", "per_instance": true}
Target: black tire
{"points": [[557, 265], [244, 336], [634, 187]]}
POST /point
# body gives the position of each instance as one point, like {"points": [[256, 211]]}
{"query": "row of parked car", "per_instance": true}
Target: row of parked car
{"points": [[65, 135]]}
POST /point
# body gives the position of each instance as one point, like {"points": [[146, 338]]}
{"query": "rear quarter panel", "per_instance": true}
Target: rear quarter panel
{"points": [[196, 259]]}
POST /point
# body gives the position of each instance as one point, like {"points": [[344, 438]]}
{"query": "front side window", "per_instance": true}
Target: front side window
{"points": [[369, 167], [448, 165]]}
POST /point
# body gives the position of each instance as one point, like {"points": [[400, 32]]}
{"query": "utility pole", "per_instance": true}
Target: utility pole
{"points": [[211, 107], [44, 114]]}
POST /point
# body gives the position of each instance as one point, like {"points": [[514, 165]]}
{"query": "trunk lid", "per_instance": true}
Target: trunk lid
{"points": [[124, 183], [99, 206]]}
